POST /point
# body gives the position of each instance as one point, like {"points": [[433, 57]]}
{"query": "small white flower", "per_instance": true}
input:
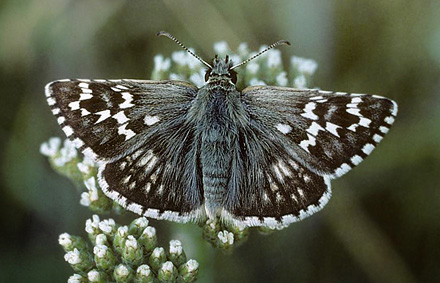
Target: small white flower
{"points": [[122, 270], [176, 247], [141, 222], [161, 64], [101, 239], [197, 79], [221, 48], [143, 270], [157, 252], [243, 49], [85, 200], [72, 257], [255, 81], [235, 59], [176, 77], [149, 232], [192, 265], [252, 67], [107, 225], [300, 82], [86, 165], [122, 231], [92, 225], [75, 278], [226, 237], [303, 65], [131, 242], [51, 147], [282, 79], [167, 266], [274, 58], [65, 240], [93, 191], [93, 275], [179, 57], [67, 153], [192, 62], [100, 250]]}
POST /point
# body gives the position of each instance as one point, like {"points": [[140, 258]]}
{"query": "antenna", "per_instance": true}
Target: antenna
{"points": [[261, 52], [170, 36]]}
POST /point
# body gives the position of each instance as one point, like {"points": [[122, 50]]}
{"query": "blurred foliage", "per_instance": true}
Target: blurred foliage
{"points": [[381, 224]]}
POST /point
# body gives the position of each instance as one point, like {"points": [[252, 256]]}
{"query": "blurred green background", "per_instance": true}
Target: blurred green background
{"points": [[382, 223]]}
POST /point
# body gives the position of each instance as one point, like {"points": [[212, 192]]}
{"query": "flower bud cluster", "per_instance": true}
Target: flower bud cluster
{"points": [[125, 254]]}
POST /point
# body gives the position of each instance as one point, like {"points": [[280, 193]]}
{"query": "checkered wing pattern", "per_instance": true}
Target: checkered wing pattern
{"points": [[298, 140], [139, 134]]}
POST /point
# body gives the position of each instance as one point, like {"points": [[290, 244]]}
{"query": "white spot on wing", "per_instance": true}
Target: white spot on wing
{"points": [[74, 105], [305, 143], [368, 148], [120, 117], [85, 96], [151, 120], [315, 128], [383, 129], [283, 128], [128, 99], [365, 122], [84, 85], [51, 101], [103, 115], [356, 160], [127, 132], [68, 131], [308, 111], [377, 138], [354, 111], [332, 128], [389, 120]]}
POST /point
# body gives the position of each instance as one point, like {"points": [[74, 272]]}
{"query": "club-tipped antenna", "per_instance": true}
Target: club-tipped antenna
{"points": [[280, 42], [170, 36]]}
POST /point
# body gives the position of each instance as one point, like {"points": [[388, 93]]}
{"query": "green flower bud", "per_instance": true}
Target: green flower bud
{"points": [[137, 226], [120, 238], [92, 227], [69, 242], [167, 272], [123, 274], [188, 271], [133, 253], [143, 274], [156, 259], [80, 261], [97, 276], [177, 255], [76, 278], [148, 239], [104, 257]]}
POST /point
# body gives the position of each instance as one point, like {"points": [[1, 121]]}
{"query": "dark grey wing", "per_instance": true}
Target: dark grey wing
{"points": [[295, 143], [267, 186], [328, 132], [139, 134]]}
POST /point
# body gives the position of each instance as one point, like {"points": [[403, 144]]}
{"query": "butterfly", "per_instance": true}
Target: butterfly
{"points": [[263, 156]]}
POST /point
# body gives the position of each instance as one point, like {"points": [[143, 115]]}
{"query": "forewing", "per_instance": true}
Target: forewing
{"points": [[327, 132], [139, 134], [109, 119]]}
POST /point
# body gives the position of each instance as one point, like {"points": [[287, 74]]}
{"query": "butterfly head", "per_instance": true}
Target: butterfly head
{"points": [[221, 70]]}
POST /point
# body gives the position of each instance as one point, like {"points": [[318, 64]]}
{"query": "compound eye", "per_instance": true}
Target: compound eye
{"points": [[233, 76], [207, 74]]}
